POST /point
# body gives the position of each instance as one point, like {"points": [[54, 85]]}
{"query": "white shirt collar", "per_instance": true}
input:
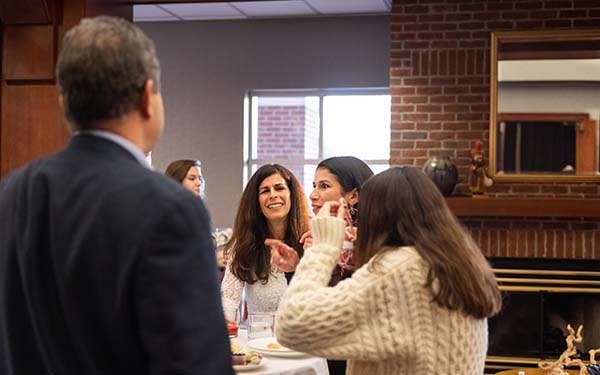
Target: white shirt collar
{"points": [[121, 141]]}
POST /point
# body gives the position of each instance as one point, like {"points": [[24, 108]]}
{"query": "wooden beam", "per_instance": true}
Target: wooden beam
{"points": [[31, 121], [585, 147], [19, 12]]}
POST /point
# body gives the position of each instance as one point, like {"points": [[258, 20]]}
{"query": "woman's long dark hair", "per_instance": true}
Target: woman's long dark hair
{"points": [[402, 207], [350, 172], [249, 257]]}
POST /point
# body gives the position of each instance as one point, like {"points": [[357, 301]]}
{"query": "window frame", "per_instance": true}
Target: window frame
{"points": [[249, 161]]}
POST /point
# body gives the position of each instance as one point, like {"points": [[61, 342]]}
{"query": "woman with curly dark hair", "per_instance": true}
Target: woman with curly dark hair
{"points": [[273, 205]]}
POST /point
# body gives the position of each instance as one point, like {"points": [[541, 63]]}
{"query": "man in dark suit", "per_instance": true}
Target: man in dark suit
{"points": [[107, 267]]}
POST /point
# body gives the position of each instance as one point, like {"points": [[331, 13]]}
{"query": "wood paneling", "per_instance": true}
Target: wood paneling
{"points": [[31, 121], [15, 12], [29, 52], [32, 124], [585, 153], [117, 8], [542, 117]]}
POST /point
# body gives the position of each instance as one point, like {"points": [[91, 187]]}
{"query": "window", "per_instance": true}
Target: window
{"points": [[300, 128]]}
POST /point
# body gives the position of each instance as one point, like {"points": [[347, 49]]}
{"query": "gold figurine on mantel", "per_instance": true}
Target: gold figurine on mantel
{"points": [[479, 179], [557, 367]]}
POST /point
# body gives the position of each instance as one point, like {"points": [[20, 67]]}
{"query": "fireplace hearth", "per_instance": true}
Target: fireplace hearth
{"points": [[542, 296]]}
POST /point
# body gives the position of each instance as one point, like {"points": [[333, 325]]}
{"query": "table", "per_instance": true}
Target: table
{"points": [[531, 371], [306, 365]]}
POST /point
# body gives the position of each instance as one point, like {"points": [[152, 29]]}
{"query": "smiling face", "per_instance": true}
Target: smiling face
{"points": [[193, 180], [326, 187], [274, 198]]}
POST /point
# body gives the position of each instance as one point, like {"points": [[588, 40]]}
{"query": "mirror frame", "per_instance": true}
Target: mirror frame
{"points": [[528, 36]]}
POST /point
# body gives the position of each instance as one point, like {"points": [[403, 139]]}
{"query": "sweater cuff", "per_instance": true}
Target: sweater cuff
{"points": [[328, 230]]}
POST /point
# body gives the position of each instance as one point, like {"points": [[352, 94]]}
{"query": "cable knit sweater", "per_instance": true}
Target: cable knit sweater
{"points": [[382, 320]]}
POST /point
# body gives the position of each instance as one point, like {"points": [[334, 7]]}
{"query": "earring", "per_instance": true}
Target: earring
{"points": [[353, 210]]}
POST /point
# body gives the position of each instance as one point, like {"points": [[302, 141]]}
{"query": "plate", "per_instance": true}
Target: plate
{"points": [[261, 346], [250, 366]]}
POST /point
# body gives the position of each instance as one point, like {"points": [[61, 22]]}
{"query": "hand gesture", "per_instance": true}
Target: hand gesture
{"points": [[335, 209], [306, 240], [282, 256]]}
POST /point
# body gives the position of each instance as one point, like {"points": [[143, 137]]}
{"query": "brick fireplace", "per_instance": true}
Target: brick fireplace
{"points": [[440, 87], [440, 84], [542, 296]]}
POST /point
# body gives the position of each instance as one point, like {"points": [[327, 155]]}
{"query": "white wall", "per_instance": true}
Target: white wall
{"points": [[550, 97], [207, 66]]}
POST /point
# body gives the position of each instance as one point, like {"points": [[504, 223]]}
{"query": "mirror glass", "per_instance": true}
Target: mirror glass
{"points": [[545, 105]]}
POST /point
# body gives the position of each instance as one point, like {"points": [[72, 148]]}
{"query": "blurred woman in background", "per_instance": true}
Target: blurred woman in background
{"points": [[189, 173]]}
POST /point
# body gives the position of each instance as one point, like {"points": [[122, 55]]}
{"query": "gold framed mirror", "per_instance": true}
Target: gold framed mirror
{"points": [[545, 106]]}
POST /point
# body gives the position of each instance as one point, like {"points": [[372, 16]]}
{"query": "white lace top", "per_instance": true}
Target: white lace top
{"points": [[259, 297]]}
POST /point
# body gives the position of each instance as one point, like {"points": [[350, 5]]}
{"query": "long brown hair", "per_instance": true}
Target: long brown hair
{"points": [[249, 256], [402, 207]]}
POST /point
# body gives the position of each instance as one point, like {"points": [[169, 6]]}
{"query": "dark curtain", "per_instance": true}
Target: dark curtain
{"points": [[545, 146]]}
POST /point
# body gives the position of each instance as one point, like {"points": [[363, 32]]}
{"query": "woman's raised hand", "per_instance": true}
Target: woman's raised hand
{"points": [[282, 256], [306, 240], [334, 208]]}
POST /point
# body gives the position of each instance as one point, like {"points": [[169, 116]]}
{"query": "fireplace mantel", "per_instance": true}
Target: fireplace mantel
{"points": [[524, 207]]}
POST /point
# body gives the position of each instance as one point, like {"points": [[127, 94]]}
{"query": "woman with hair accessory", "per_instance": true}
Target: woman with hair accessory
{"points": [[335, 178], [421, 286]]}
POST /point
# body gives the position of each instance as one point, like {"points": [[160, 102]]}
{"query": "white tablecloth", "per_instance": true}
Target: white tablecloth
{"points": [[305, 365]]}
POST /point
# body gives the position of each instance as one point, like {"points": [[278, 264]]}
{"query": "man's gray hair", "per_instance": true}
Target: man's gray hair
{"points": [[102, 70]]}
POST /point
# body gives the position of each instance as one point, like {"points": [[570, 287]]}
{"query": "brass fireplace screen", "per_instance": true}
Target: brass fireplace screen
{"points": [[542, 296]]}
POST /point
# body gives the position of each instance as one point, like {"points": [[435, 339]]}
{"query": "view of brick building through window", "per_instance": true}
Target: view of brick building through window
{"points": [[288, 130]]}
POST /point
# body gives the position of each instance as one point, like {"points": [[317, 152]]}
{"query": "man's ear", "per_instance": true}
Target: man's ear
{"points": [[146, 99], [61, 102]]}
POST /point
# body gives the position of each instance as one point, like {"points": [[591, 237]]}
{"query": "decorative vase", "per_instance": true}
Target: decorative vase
{"points": [[443, 173]]}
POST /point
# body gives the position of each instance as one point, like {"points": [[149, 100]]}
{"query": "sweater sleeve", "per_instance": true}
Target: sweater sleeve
{"points": [[340, 322]]}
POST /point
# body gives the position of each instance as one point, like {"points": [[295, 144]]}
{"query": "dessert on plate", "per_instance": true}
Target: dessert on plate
{"points": [[241, 357]]}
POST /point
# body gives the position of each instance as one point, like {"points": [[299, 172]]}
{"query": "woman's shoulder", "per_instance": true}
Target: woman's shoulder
{"points": [[398, 256], [391, 261]]}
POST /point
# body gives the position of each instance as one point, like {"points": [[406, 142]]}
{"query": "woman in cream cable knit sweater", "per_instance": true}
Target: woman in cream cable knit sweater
{"points": [[419, 301]]}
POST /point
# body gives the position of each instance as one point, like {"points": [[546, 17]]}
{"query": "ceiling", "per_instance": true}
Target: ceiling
{"points": [[257, 9]]}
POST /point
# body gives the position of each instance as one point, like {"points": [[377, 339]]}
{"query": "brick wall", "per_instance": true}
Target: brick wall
{"points": [[439, 82], [287, 132], [311, 133], [536, 237]]}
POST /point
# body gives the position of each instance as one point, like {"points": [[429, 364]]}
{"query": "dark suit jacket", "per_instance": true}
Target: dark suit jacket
{"points": [[106, 267]]}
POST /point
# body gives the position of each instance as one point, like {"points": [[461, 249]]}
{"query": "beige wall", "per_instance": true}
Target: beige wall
{"points": [[207, 66]]}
